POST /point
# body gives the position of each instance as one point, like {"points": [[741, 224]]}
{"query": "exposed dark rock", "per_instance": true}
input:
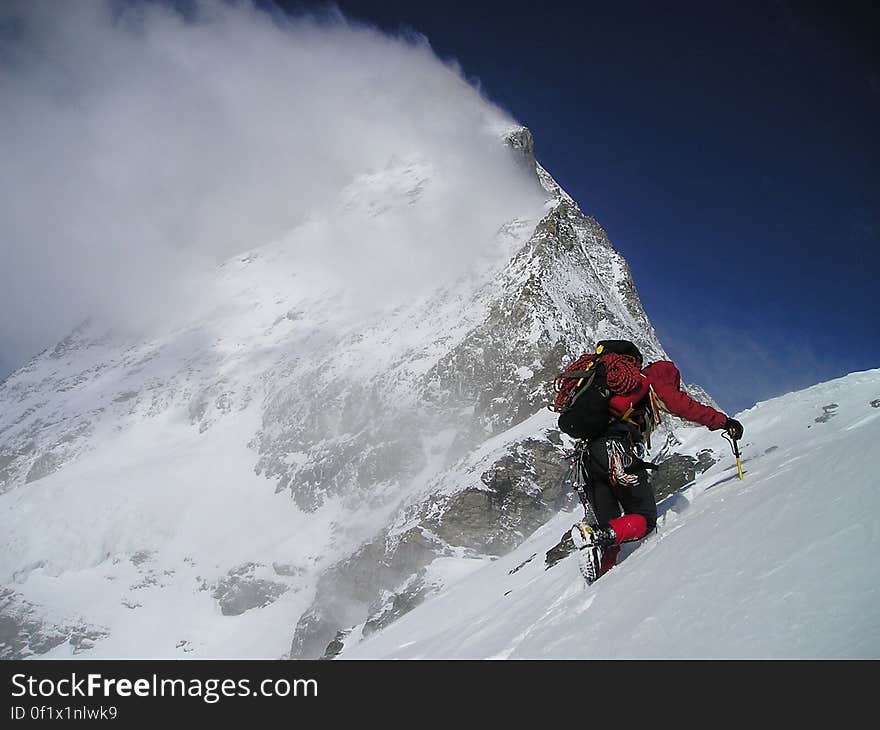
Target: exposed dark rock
{"points": [[142, 556], [519, 493], [564, 547], [352, 442], [84, 638], [522, 144], [288, 570], [315, 631], [393, 607], [522, 564], [678, 471], [828, 412], [241, 591], [348, 591], [6, 471], [525, 489], [148, 581], [6, 458], [25, 632], [555, 438], [336, 646]]}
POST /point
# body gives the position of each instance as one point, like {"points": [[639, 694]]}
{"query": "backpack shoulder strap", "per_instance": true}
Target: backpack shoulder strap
{"points": [[577, 374], [582, 387]]}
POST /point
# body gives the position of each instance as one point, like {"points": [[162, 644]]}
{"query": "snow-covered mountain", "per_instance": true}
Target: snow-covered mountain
{"points": [[283, 461], [329, 287], [778, 565]]}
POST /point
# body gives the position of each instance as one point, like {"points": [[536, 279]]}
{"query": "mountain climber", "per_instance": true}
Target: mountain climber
{"points": [[618, 487]]}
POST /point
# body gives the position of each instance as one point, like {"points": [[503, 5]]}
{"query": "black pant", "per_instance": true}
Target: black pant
{"points": [[610, 499]]}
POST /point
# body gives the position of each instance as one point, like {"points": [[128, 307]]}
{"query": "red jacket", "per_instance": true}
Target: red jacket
{"points": [[666, 381]]}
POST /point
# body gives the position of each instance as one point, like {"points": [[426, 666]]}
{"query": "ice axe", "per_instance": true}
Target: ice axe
{"points": [[734, 445]]}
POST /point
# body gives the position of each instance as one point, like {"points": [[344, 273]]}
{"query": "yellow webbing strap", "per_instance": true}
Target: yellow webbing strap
{"points": [[589, 365], [655, 404], [626, 416]]}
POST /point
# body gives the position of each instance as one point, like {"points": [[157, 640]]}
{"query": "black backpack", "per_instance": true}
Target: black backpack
{"points": [[583, 393]]}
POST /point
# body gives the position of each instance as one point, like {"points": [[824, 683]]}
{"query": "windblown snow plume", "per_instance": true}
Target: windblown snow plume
{"points": [[141, 146]]}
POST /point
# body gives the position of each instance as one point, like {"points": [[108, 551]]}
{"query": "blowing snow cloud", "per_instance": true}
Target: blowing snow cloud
{"points": [[141, 147]]}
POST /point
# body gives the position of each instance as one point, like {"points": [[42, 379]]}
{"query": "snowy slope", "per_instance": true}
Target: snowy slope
{"points": [[779, 565]]}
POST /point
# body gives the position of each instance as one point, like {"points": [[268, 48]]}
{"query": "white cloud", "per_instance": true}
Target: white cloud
{"points": [[139, 147]]}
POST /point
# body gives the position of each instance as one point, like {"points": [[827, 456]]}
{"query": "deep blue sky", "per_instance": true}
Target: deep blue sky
{"points": [[729, 150]]}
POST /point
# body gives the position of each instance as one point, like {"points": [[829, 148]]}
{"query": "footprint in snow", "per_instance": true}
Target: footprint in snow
{"points": [[829, 412]]}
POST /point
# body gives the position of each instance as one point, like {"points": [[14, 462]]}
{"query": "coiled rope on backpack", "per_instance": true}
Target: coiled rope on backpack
{"points": [[622, 375], [622, 372], [566, 383]]}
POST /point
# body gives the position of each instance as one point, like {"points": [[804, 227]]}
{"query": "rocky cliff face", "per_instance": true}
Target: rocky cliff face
{"points": [[280, 458], [563, 290]]}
